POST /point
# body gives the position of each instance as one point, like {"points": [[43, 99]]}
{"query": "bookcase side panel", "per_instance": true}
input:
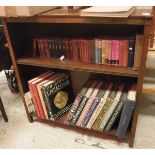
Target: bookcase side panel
{"points": [[140, 81], [6, 32]]}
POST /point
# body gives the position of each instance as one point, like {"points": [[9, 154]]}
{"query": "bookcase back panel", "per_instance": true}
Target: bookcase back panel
{"points": [[22, 34]]}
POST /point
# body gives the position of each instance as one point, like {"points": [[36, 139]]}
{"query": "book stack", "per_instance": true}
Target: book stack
{"points": [[107, 51], [51, 94], [99, 103]]}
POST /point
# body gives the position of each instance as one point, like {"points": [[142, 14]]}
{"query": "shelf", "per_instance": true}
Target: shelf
{"points": [[110, 134], [79, 66]]}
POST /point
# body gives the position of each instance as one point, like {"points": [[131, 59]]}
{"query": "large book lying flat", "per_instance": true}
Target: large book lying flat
{"points": [[108, 11]]}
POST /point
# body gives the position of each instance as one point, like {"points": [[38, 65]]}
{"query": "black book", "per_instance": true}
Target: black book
{"points": [[127, 111], [59, 96], [131, 51]]}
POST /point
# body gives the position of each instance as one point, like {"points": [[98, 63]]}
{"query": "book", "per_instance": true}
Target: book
{"points": [[118, 109], [121, 53], [83, 102], [103, 51], [138, 51], [32, 91], [127, 112], [131, 51], [29, 102], [89, 103], [125, 52], [59, 96], [108, 87], [105, 108], [36, 94], [41, 94], [108, 11], [76, 103], [93, 106], [117, 52], [112, 107]]}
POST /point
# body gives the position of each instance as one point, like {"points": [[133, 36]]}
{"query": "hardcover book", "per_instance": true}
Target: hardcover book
{"points": [[83, 102], [118, 108], [108, 87], [76, 103], [88, 104], [59, 96], [127, 112]]}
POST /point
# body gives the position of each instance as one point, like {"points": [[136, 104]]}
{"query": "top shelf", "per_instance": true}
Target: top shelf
{"points": [[80, 66], [73, 16]]}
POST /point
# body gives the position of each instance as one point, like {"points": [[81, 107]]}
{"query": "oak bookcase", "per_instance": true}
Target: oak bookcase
{"points": [[20, 32]]}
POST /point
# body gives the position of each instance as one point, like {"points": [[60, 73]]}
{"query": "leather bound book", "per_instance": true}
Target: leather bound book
{"points": [[103, 51], [76, 102], [117, 53], [113, 52], [131, 51], [83, 102], [125, 53], [88, 104], [138, 52], [106, 51], [118, 108], [93, 51], [121, 53], [108, 88], [93, 106], [110, 52], [127, 112], [112, 107], [105, 108]]}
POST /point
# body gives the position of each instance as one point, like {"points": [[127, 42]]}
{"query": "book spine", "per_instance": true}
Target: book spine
{"points": [[125, 53], [34, 100], [114, 116], [89, 103], [138, 52], [72, 110], [99, 107], [110, 52], [112, 108], [96, 51], [106, 51], [121, 53], [103, 51], [34, 47], [131, 52], [90, 112], [101, 114], [113, 52], [125, 118], [127, 112], [117, 52]]}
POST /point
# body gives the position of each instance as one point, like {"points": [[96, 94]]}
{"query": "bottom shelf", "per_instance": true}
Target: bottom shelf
{"points": [[90, 132]]}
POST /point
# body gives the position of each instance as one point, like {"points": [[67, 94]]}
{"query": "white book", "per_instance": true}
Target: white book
{"points": [[108, 11]]}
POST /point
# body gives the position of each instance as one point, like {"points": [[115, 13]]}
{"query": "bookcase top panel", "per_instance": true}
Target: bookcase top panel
{"points": [[138, 17]]}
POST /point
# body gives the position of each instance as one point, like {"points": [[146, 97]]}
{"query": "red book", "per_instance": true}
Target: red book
{"points": [[36, 94], [117, 52], [47, 48], [121, 51], [109, 52], [113, 52], [34, 47], [32, 91]]}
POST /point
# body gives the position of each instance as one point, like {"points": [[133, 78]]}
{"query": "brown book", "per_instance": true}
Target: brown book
{"points": [[138, 52], [125, 53]]}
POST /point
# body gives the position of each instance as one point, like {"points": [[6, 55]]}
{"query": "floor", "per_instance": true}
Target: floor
{"points": [[19, 133]]}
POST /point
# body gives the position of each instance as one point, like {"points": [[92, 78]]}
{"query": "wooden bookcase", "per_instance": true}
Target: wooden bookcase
{"points": [[21, 31]]}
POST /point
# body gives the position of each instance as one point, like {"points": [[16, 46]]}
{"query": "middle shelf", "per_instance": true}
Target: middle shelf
{"points": [[79, 66]]}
